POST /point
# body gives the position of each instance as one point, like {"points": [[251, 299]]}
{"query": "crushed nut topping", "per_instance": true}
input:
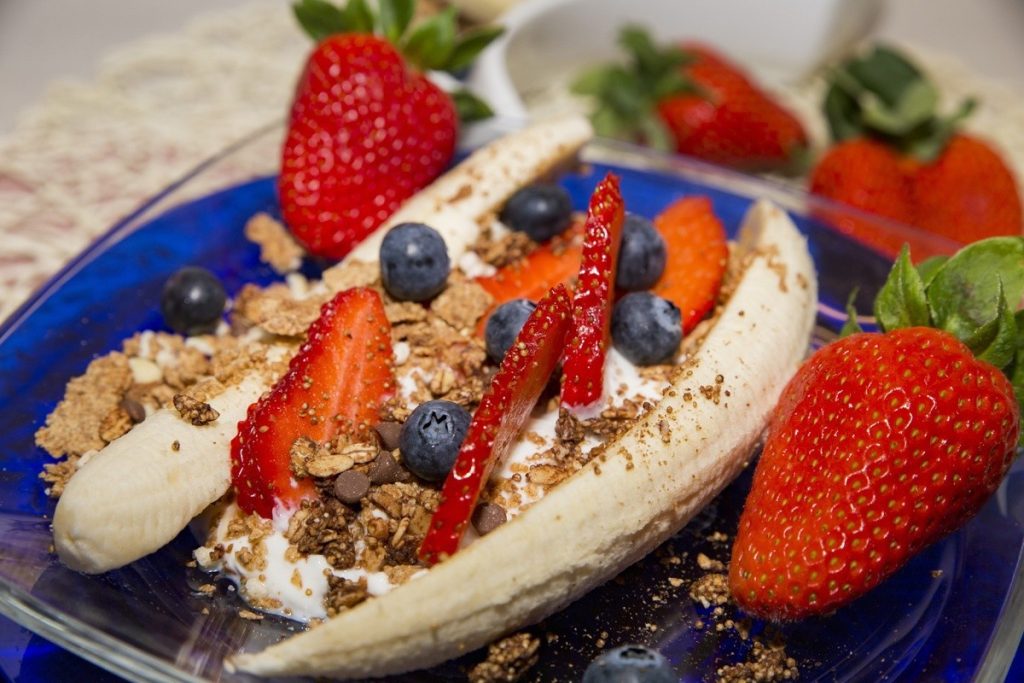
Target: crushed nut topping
{"points": [[195, 412]]}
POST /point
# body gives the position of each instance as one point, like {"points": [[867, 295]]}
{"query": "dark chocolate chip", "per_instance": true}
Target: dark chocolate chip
{"points": [[136, 411], [487, 517], [384, 469], [351, 486], [388, 433]]}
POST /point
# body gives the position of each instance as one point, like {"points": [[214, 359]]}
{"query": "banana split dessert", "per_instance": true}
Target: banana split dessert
{"points": [[487, 375]]}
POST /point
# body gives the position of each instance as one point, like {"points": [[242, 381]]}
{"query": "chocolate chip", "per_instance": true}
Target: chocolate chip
{"points": [[351, 486], [136, 411], [487, 517], [388, 433], [385, 469]]}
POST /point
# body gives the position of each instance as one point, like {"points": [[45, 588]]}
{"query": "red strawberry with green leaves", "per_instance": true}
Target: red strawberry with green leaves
{"points": [[897, 157], [335, 384], [691, 100], [697, 256], [583, 367], [367, 128], [497, 422], [883, 443]]}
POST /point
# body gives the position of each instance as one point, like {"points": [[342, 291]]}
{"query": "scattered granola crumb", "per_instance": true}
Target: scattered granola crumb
{"points": [[352, 274], [207, 589], [936, 573], [277, 247], [250, 615], [276, 310], [58, 474], [710, 589], [74, 426], [343, 594], [462, 304], [509, 248], [765, 663], [709, 565], [507, 660], [196, 412]]}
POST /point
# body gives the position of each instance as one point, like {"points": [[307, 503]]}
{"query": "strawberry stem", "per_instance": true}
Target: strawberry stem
{"points": [[881, 94]]}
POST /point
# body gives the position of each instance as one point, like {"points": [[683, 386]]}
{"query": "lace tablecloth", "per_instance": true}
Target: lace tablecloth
{"points": [[88, 153]]}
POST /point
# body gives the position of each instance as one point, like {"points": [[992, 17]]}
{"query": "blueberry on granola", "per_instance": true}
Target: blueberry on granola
{"points": [[414, 262], [503, 326], [431, 438], [630, 664], [541, 211], [192, 301], [646, 329], [641, 256]]}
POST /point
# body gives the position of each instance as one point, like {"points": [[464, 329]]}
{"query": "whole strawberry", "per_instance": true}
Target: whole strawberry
{"points": [[691, 100], [898, 158], [367, 129], [883, 443]]}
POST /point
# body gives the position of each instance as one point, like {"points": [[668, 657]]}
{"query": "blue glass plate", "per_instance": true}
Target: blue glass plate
{"points": [[953, 613]]}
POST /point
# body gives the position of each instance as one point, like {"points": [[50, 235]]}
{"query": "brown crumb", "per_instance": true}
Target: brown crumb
{"points": [[764, 663], [58, 474], [250, 615], [507, 659], [73, 428], [116, 424], [207, 589], [710, 589], [343, 594], [352, 274], [193, 411], [277, 247], [509, 248], [275, 310], [709, 565], [462, 304], [568, 428]]}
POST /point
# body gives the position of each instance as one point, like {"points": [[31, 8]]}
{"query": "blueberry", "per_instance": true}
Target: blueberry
{"points": [[430, 439], [642, 255], [630, 664], [414, 263], [192, 301], [541, 211], [504, 325], [646, 329]]}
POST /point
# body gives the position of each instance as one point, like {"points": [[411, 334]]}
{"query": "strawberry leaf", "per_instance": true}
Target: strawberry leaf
{"points": [[431, 43], [320, 19], [469, 107], [395, 16], [929, 267], [914, 107], [995, 342], [966, 292], [902, 302], [471, 44], [358, 16]]}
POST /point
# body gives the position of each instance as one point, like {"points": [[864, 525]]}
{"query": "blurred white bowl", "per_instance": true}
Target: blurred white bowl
{"points": [[548, 42]]}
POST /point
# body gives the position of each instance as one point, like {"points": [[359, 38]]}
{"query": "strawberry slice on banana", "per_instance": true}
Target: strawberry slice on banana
{"points": [[336, 384], [595, 293], [698, 252], [502, 413]]}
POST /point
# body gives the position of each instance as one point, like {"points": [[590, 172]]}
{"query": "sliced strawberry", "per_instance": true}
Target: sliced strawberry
{"points": [[335, 384], [595, 293], [498, 420], [698, 252], [553, 263]]}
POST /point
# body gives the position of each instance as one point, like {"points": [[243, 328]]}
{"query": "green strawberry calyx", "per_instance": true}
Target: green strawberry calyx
{"points": [[627, 95], [434, 44], [976, 295], [881, 94]]}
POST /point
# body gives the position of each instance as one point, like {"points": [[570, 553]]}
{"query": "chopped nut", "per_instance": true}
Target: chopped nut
{"points": [[194, 411]]}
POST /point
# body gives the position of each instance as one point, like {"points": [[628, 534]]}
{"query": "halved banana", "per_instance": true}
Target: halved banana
{"points": [[639, 491], [138, 493]]}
